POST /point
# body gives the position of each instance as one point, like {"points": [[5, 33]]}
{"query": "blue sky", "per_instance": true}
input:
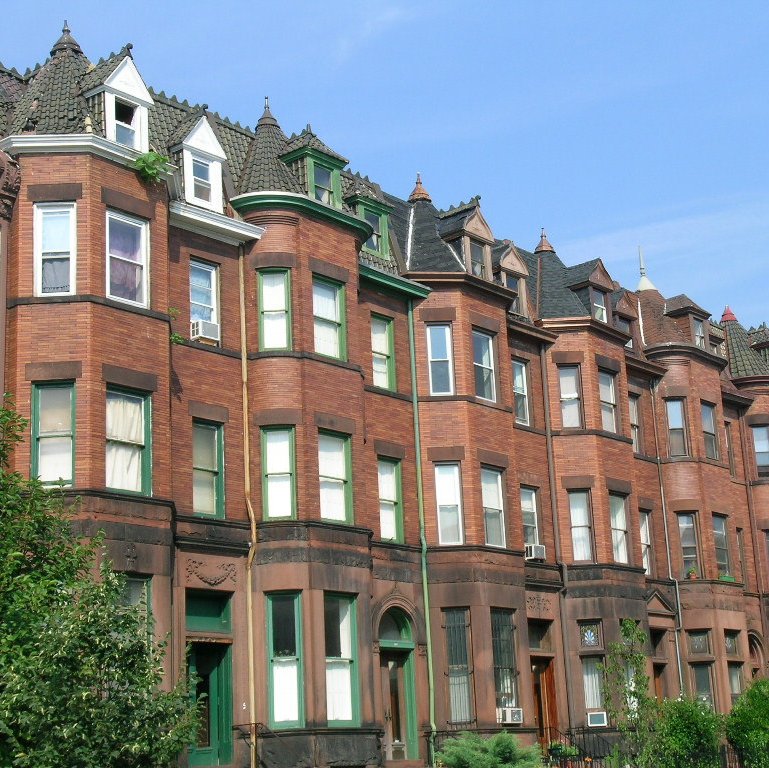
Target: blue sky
{"points": [[611, 124]]}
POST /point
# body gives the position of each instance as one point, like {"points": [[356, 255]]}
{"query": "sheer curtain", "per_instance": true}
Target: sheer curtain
{"points": [[274, 314], [331, 461], [339, 669], [580, 526], [285, 686], [125, 441], [325, 308], [278, 471], [447, 494], [125, 264], [592, 679], [387, 496], [55, 434]]}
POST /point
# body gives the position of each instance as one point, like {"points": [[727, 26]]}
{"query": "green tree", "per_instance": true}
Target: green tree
{"points": [[80, 675], [687, 735], [626, 692], [747, 726], [502, 750]]}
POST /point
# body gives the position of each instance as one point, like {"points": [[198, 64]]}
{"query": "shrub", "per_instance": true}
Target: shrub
{"points": [[503, 750], [748, 725]]}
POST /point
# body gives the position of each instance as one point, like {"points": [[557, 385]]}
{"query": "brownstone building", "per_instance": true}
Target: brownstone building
{"points": [[387, 475]]}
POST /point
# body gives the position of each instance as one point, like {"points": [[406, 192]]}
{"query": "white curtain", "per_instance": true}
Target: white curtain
{"points": [[592, 679], [274, 310], [459, 696], [277, 466], [125, 423], [447, 495], [569, 382], [387, 497], [285, 690], [580, 526], [619, 528], [380, 351], [331, 461], [55, 459], [338, 689]]}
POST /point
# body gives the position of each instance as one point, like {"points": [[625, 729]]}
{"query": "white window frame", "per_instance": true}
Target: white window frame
{"points": [[448, 494], [341, 482], [139, 123], [278, 468], [619, 533], [40, 211], [600, 309], [529, 510], [214, 164], [446, 329], [634, 403], [579, 524], [213, 271], [607, 388], [592, 682], [143, 225], [521, 390], [479, 366], [570, 397], [645, 535], [493, 508], [280, 312]]}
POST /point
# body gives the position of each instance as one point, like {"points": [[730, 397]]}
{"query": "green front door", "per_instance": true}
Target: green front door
{"points": [[210, 665]]}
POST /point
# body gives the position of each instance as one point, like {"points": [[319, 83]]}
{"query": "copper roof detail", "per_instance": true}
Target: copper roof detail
{"points": [[419, 192], [544, 244]]}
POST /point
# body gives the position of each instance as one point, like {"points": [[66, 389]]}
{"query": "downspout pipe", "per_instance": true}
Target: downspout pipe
{"points": [[422, 535], [249, 507], [557, 536], [660, 480]]}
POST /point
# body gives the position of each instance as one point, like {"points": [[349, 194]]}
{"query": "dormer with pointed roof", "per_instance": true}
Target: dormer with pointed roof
{"points": [[512, 272], [592, 284], [466, 231]]}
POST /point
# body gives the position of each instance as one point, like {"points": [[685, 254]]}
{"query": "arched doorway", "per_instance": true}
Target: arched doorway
{"points": [[396, 667], [756, 655]]}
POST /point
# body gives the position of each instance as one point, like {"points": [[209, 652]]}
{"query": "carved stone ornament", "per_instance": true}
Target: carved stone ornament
{"points": [[537, 604], [10, 181], [131, 554], [212, 576]]}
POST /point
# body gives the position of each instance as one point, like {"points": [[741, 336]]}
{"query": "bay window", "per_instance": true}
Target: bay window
{"points": [[284, 644], [581, 528], [483, 365], [275, 311], [278, 489], [439, 355], [328, 318], [617, 507], [335, 469], [55, 248], [448, 496], [341, 671], [53, 432], [608, 396], [571, 408], [128, 465], [127, 248], [493, 510]]}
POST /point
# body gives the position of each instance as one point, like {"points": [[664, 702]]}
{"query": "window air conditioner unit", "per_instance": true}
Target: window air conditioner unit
{"points": [[597, 719], [202, 329], [534, 552], [510, 715]]}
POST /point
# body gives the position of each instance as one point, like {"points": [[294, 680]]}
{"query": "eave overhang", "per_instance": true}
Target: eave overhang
{"points": [[690, 350], [255, 201], [463, 277], [394, 283], [211, 224], [736, 398]]}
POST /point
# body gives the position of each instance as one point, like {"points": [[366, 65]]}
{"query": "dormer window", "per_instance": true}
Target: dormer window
{"points": [[512, 282], [623, 324], [202, 158], [376, 216], [201, 180], [477, 259], [699, 333], [126, 118], [323, 184], [374, 242], [599, 306]]}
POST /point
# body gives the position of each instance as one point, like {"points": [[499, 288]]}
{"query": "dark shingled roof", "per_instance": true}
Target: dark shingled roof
{"points": [[310, 140], [682, 303], [580, 273], [557, 299], [354, 184], [455, 218], [744, 361], [183, 128]]}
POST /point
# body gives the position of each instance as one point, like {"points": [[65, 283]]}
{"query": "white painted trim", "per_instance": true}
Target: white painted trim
{"points": [[210, 224], [143, 225], [39, 208], [214, 178]]}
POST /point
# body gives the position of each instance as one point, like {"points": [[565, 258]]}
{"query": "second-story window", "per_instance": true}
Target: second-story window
{"points": [[55, 248], [581, 527], [127, 258], [128, 464], [676, 427], [529, 515], [53, 432], [328, 318], [761, 449], [207, 464], [448, 494], [483, 365], [521, 391], [646, 540], [335, 469], [608, 396], [687, 533], [275, 309], [709, 430], [204, 301], [440, 360], [571, 409], [493, 512], [721, 545]]}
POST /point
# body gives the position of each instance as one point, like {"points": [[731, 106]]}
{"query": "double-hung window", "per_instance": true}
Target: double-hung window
{"points": [[618, 511], [635, 421], [493, 506], [699, 333], [204, 300], [383, 359], [275, 311], [390, 512], [341, 667], [503, 658], [761, 449], [709, 430], [323, 183], [439, 355], [521, 391], [126, 123], [477, 258], [448, 494], [529, 515], [53, 432], [128, 460], [608, 396], [721, 545], [457, 625], [646, 540], [328, 318], [201, 179], [378, 240], [599, 306], [207, 468], [278, 490], [688, 536], [335, 468], [592, 681], [571, 408], [581, 527], [55, 244], [284, 644], [483, 365], [127, 249], [676, 427]]}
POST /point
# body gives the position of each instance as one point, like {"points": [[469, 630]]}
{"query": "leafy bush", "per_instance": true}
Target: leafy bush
{"points": [[503, 750], [687, 735], [748, 725], [151, 166]]}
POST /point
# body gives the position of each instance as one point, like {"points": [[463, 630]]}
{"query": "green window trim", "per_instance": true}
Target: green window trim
{"points": [[208, 611], [267, 313], [336, 180], [396, 502], [379, 242], [385, 356], [338, 324], [352, 659], [39, 392], [267, 474], [273, 657], [145, 480], [216, 470], [335, 479]]}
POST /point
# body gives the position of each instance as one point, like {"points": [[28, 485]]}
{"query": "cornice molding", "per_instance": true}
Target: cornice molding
{"points": [[201, 221], [394, 282]]}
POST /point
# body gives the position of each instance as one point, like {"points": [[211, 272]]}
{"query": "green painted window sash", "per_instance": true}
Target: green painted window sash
{"points": [[208, 611], [218, 430], [297, 599], [384, 225], [341, 324], [390, 354], [336, 180], [36, 437], [354, 686], [265, 476], [288, 318], [146, 454], [398, 500]]}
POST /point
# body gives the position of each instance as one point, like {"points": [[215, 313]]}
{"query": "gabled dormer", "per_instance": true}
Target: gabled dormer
{"points": [[376, 213], [202, 158], [468, 234], [691, 318], [626, 318], [321, 167], [126, 102], [512, 273], [593, 284]]}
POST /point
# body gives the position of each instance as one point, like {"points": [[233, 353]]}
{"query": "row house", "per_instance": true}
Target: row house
{"points": [[380, 474]]}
